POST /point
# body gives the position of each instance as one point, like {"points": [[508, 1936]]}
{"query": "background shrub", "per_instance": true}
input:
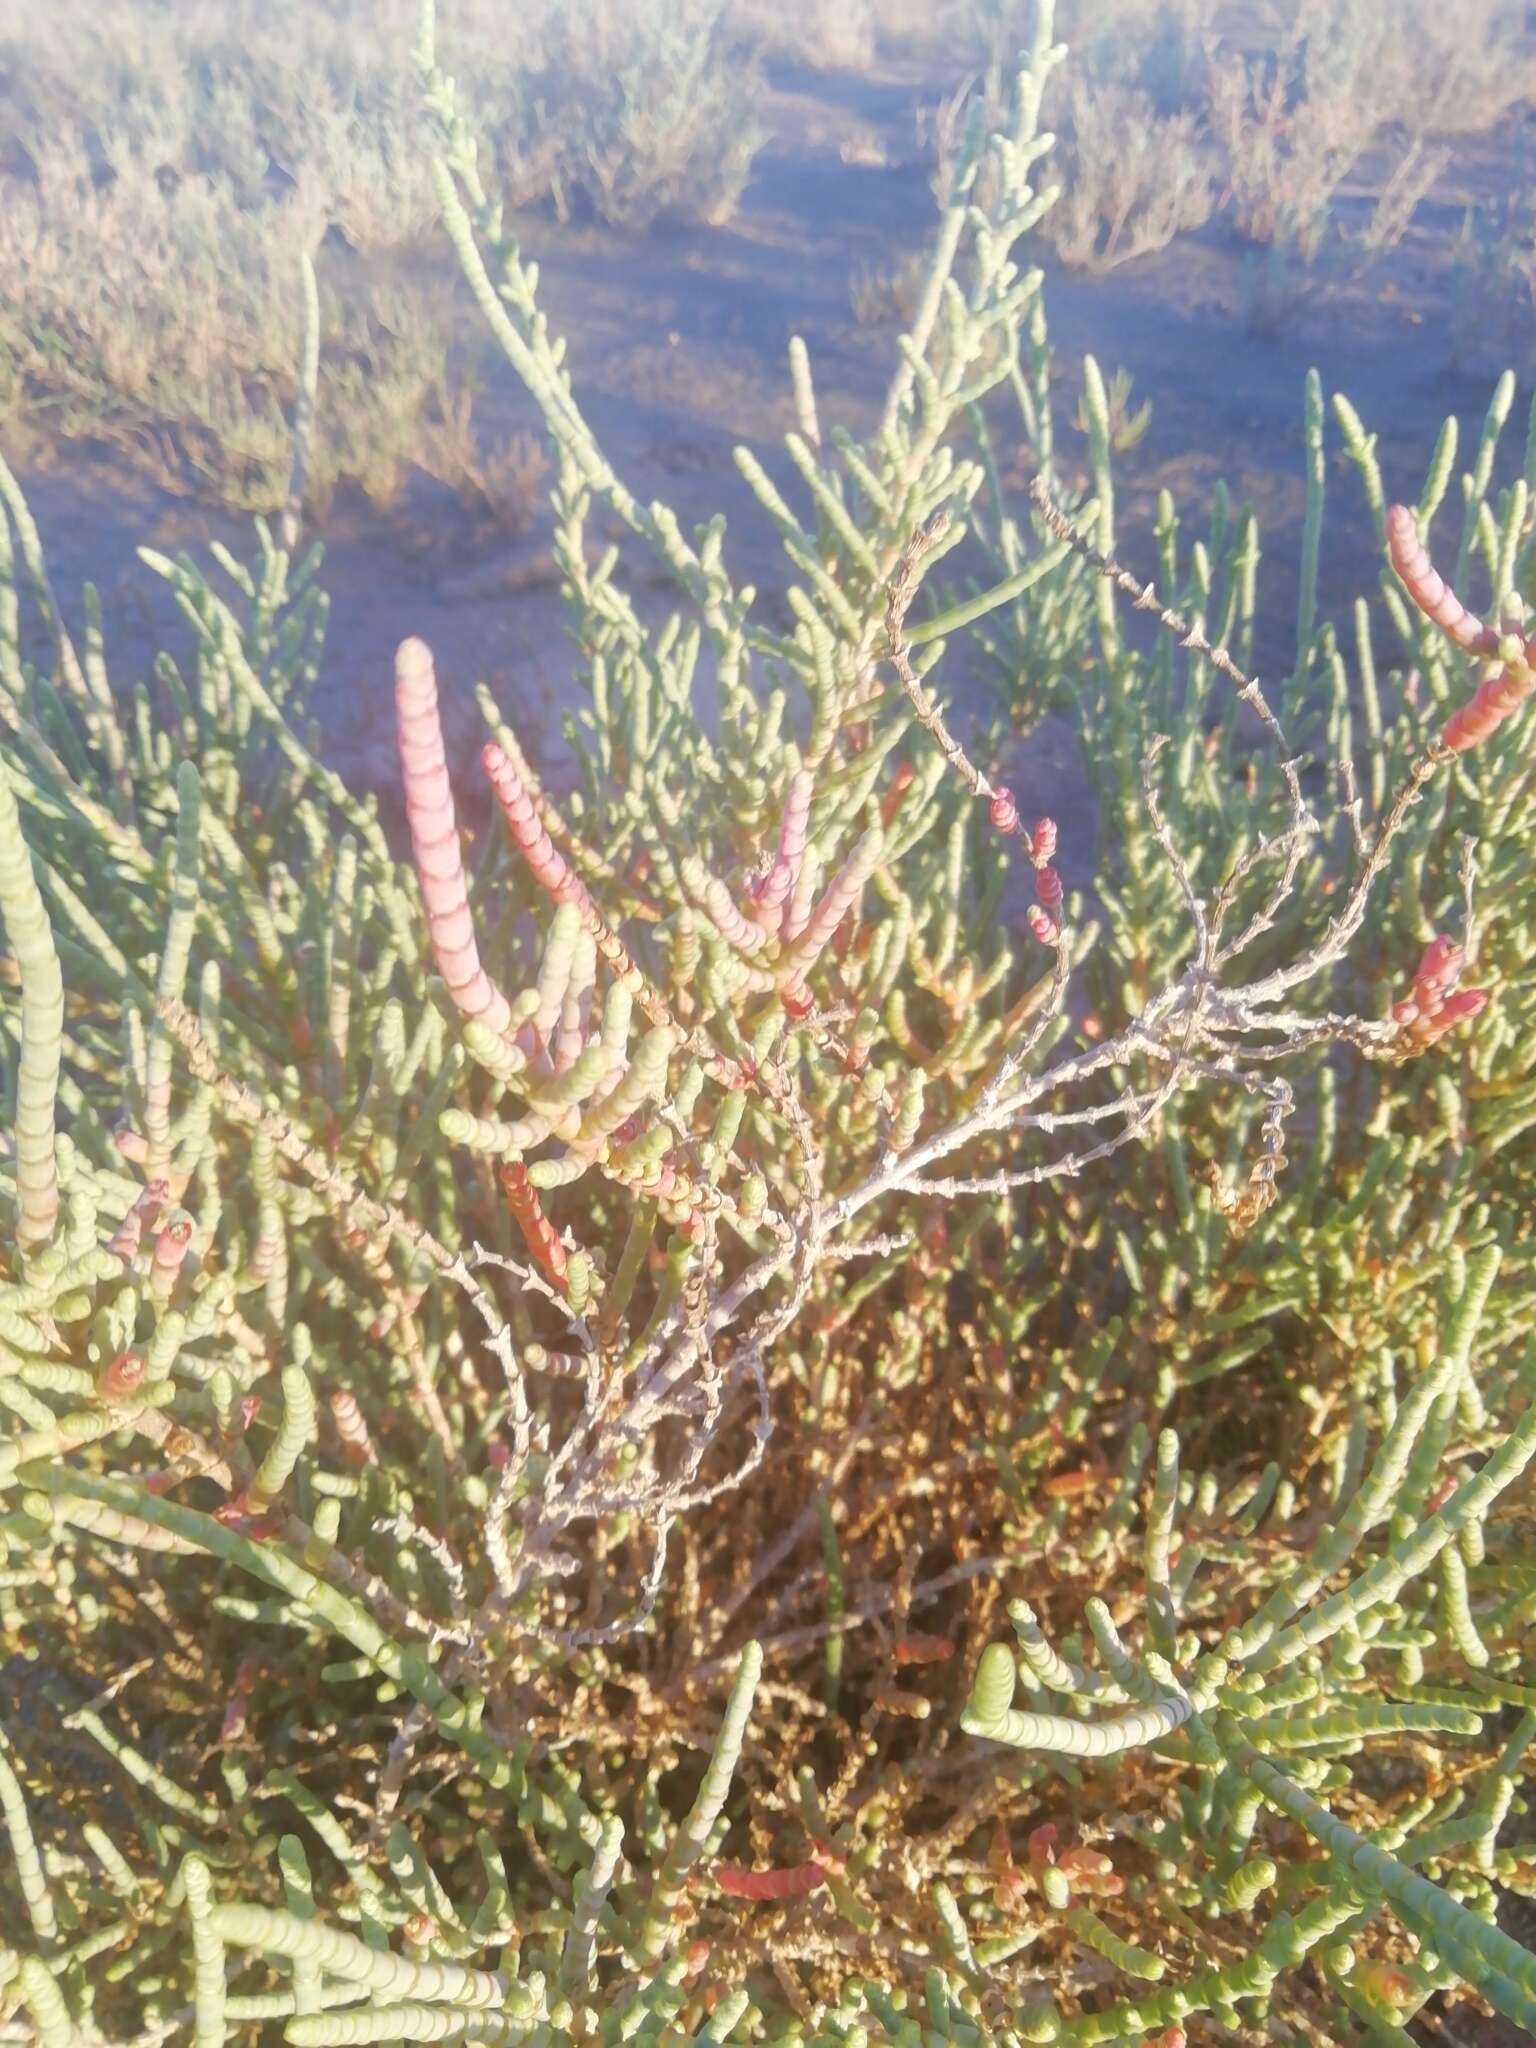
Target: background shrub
{"points": [[1132, 179], [1496, 282], [170, 165]]}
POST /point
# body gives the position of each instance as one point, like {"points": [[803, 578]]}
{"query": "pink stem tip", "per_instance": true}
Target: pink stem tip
{"points": [[1429, 589], [435, 839], [550, 868]]}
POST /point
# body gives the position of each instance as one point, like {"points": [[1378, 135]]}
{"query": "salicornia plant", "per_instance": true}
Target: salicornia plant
{"points": [[770, 1399]]}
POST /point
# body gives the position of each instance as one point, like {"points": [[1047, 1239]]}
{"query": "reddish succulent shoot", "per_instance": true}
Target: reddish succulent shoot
{"points": [[1465, 1004], [796, 1883], [173, 1241], [1444, 1488], [1090, 1870], [238, 1703], [1498, 697], [356, 1444], [1506, 686], [1011, 1883], [122, 1379], [901, 782], [1439, 966], [151, 1198], [549, 866], [1389, 1988], [923, 1650], [778, 884], [539, 1234], [1003, 811], [1042, 1845], [238, 1513], [131, 1143], [840, 896], [1436, 1005], [1068, 1485], [435, 839], [1429, 589], [1044, 917]]}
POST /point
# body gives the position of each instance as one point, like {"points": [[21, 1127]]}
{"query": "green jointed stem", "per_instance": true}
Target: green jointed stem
{"points": [[295, 1434], [1314, 425], [968, 610], [299, 1898], [30, 938], [691, 1838], [992, 1716], [174, 959], [592, 1888], [1405, 1560], [144, 1771], [1125, 1955], [275, 1933], [482, 1513], [837, 1598], [208, 1987], [406, 1666], [45, 2001], [1505, 1971], [1374, 1498], [405, 2022], [1042, 1657], [25, 1861]]}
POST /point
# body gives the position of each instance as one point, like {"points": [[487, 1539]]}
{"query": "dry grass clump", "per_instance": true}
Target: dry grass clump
{"points": [[600, 103], [883, 294], [652, 111], [138, 310], [168, 167], [1134, 178], [160, 316], [1494, 309], [1171, 107], [829, 35], [1293, 123]]}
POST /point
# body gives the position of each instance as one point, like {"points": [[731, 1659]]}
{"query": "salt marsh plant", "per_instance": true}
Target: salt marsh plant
{"points": [[781, 1400]]}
